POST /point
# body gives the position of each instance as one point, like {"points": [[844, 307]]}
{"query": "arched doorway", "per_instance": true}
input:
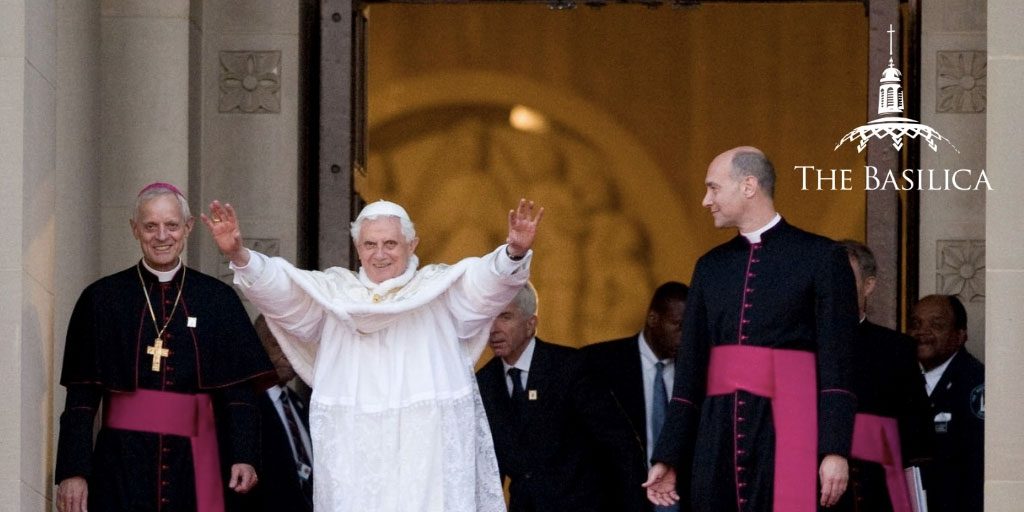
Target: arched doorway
{"points": [[343, 46]]}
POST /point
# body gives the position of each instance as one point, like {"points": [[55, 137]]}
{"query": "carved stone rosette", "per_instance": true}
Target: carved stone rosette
{"points": [[250, 82], [960, 269], [961, 82]]}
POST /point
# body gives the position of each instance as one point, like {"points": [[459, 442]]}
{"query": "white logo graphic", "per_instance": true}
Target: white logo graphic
{"points": [[891, 125]]}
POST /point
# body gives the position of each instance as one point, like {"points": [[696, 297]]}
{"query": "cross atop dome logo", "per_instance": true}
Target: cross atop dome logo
{"points": [[891, 124]]}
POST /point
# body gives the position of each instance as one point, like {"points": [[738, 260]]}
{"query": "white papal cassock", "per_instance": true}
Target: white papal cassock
{"points": [[396, 418]]}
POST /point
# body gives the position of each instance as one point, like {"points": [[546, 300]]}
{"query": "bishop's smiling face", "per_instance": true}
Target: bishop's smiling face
{"points": [[161, 231], [383, 250]]}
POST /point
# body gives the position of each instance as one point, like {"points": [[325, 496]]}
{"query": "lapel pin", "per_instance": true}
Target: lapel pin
{"points": [[532, 394]]}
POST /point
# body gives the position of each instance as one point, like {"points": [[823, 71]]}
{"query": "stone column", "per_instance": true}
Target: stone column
{"points": [[250, 103], [12, 168], [77, 190], [144, 128], [952, 228], [882, 209], [28, 82], [1004, 446]]}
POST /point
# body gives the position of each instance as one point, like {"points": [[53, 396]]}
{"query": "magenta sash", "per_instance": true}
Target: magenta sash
{"points": [[161, 412], [877, 439], [789, 379]]}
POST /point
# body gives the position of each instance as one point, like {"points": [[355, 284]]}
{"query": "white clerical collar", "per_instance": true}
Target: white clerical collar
{"points": [[393, 283], [647, 355], [754, 237], [523, 363], [162, 276], [932, 377]]}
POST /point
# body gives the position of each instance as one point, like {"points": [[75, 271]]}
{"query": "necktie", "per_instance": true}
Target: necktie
{"points": [[518, 394], [303, 463], [660, 400], [658, 405]]}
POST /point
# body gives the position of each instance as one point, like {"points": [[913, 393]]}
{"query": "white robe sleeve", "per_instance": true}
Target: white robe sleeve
{"points": [[267, 284], [483, 291]]}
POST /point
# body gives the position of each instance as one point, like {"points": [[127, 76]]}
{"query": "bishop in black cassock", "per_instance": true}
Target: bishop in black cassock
{"points": [[781, 303], [206, 348]]}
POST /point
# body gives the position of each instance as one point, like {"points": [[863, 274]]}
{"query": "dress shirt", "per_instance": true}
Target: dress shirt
{"points": [[932, 377], [274, 392], [647, 362], [523, 363]]}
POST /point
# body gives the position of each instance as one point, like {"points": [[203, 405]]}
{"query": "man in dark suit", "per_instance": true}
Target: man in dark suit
{"points": [[639, 369], [892, 406], [287, 466], [553, 428], [955, 381]]}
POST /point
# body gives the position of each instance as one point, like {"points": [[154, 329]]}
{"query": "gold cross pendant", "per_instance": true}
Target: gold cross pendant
{"points": [[157, 351]]}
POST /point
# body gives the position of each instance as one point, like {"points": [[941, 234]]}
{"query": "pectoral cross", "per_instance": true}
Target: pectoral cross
{"points": [[157, 351]]}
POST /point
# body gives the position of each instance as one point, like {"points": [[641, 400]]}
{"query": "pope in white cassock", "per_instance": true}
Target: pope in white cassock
{"points": [[396, 419]]}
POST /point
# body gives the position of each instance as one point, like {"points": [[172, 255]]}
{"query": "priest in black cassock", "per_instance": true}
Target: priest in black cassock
{"points": [[893, 422], [762, 404], [171, 355]]}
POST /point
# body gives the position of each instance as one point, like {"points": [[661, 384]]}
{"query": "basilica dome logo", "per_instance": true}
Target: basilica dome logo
{"points": [[891, 124]]}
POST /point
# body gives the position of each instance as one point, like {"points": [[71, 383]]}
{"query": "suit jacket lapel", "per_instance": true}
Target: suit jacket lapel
{"points": [[942, 387], [505, 428], [631, 395], [538, 379], [299, 407], [494, 389]]}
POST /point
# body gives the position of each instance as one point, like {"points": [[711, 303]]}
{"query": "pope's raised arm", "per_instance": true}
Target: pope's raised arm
{"points": [[522, 227], [223, 225]]}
